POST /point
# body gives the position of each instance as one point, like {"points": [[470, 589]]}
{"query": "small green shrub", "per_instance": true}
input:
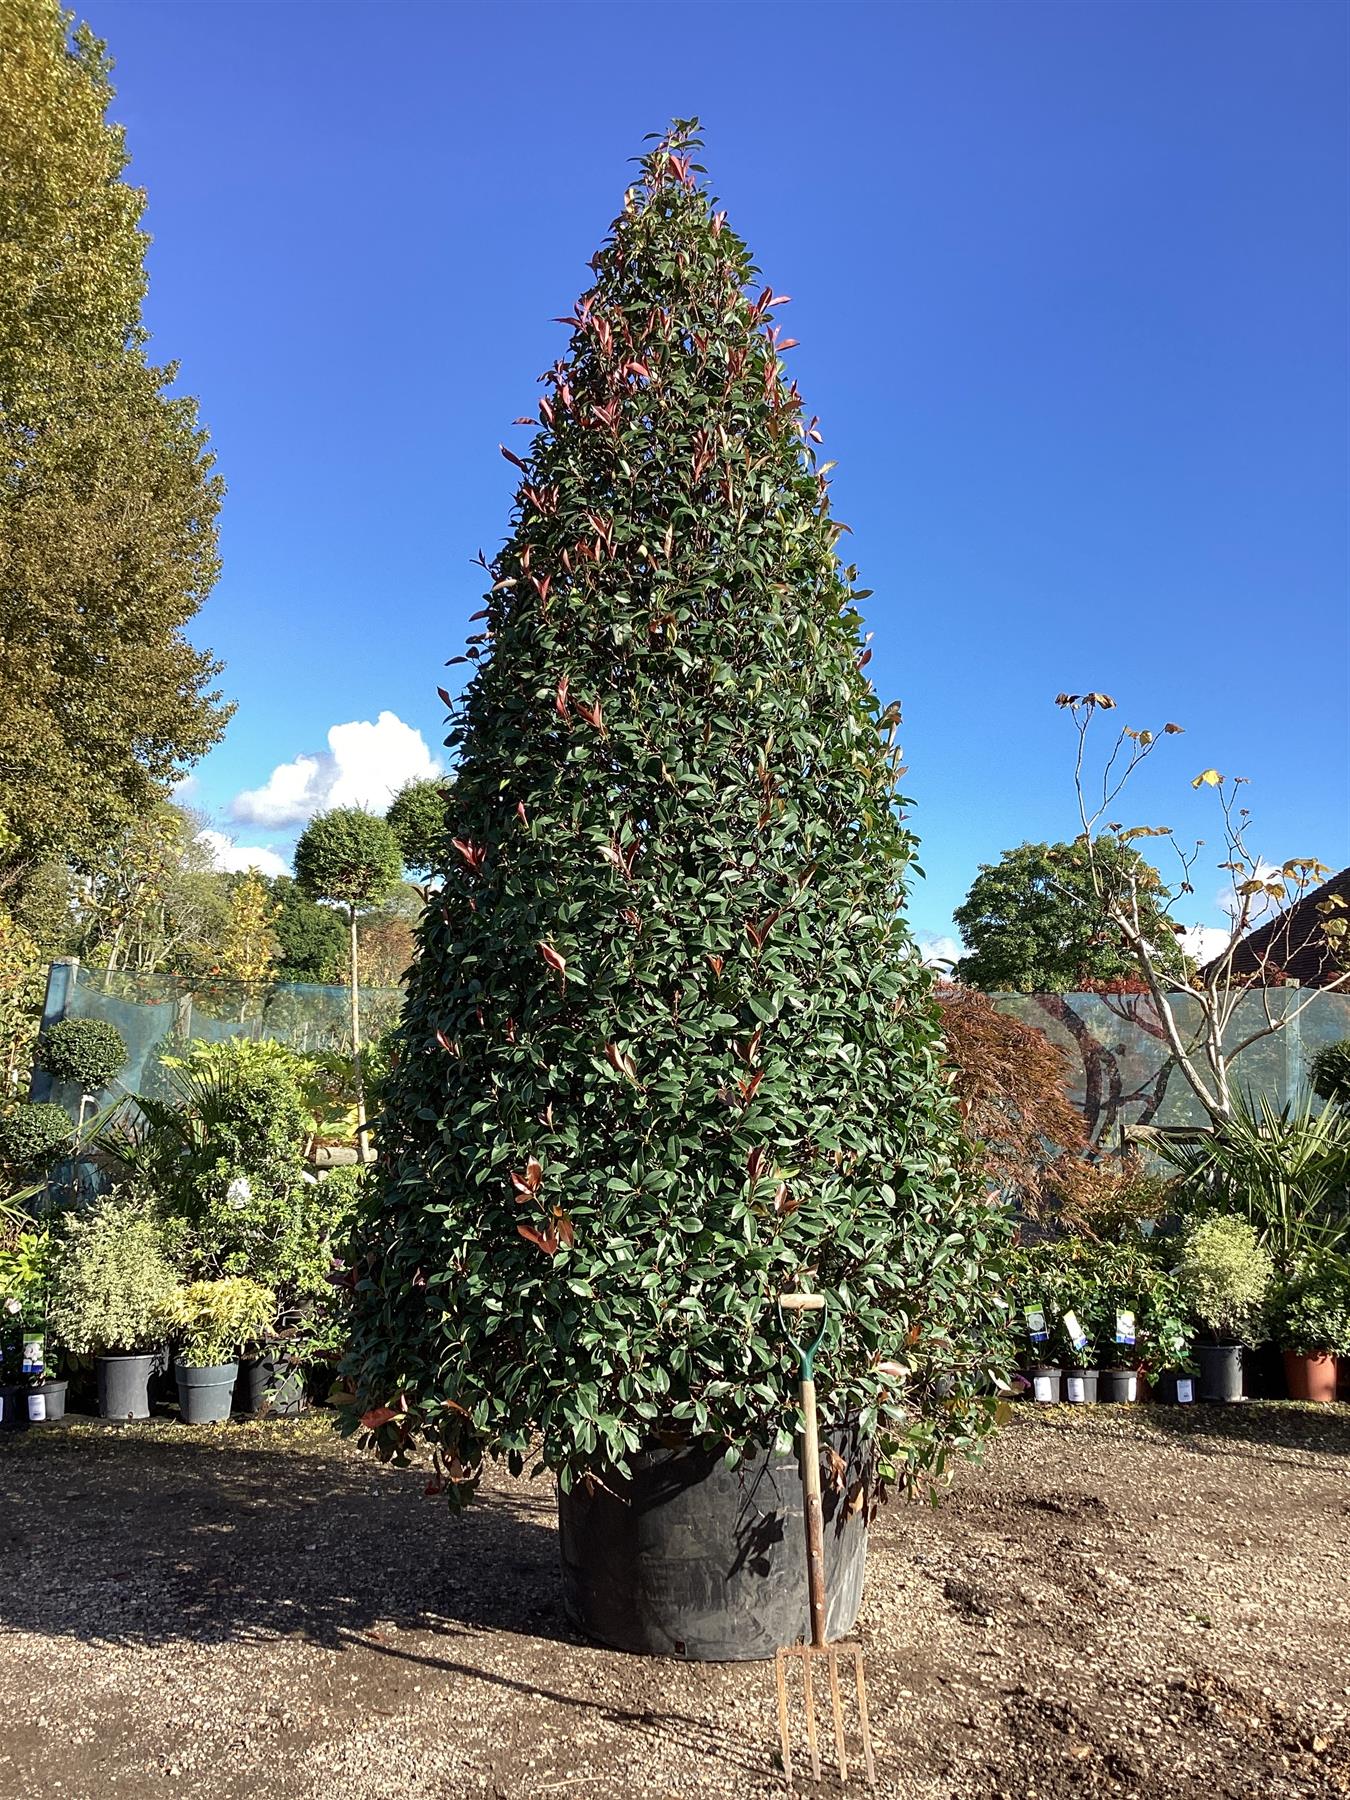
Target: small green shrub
{"points": [[1312, 1311], [1226, 1275], [34, 1134], [1329, 1072], [212, 1320], [88, 1052], [25, 1270], [112, 1280]]}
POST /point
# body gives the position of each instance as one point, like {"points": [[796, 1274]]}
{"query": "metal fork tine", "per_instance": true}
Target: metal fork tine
{"points": [[838, 1705], [862, 1717], [780, 1676], [811, 1744]]}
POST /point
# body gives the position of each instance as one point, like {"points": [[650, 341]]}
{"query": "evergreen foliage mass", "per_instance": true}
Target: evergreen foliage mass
{"points": [[1033, 922], [667, 1049], [89, 1052], [108, 500], [34, 1134]]}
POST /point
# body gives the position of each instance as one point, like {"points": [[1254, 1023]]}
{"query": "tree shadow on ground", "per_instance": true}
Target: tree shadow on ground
{"points": [[1215, 1430], [133, 1535], [142, 1536]]}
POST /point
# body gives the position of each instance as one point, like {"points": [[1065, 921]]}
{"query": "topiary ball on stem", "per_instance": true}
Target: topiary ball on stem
{"points": [[89, 1052], [34, 1135], [668, 1048]]}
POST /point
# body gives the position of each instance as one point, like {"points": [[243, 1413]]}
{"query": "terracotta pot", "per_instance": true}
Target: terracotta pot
{"points": [[1310, 1377]]}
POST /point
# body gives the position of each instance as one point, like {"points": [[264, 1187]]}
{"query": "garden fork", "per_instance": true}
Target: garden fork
{"points": [[809, 1653]]}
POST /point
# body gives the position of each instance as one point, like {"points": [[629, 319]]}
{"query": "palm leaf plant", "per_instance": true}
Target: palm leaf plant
{"points": [[1285, 1169], [667, 1047]]}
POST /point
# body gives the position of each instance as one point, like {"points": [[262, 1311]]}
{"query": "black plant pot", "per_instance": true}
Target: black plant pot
{"points": [[13, 1407], [693, 1559], [1080, 1387], [46, 1403], [1220, 1372], [1045, 1384], [1174, 1389], [124, 1386], [1117, 1387], [273, 1386], [205, 1395]]}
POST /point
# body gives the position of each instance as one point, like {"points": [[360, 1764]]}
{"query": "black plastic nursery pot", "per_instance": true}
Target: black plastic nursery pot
{"points": [[13, 1407], [45, 1404], [1220, 1372], [690, 1558], [274, 1386], [205, 1396], [1080, 1387], [124, 1386], [1045, 1384], [1173, 1388], [1118, 1387]]}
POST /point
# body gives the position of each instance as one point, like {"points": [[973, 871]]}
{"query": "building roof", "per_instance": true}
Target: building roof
{"points": [[1291, 945]]}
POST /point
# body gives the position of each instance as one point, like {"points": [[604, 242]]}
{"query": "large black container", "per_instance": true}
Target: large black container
{"points": [[205, 1394], [693, 1559], [1220, 1371], [124, 1386]]}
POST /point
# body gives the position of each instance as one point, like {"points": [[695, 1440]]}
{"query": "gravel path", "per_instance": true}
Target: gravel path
{"points": [[1153, 1604]]}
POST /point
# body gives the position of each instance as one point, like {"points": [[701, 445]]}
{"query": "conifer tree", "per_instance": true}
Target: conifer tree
{"points": [[108, 502], [667, 1048]]}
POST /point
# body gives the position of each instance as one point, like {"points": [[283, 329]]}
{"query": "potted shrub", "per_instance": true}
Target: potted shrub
{"points": [[1078, 1331], [111, 1281], [34, 1394], [1165, 1360], [1226, 1276], [209, 1321], [1312, 1323], [667, 1049]]}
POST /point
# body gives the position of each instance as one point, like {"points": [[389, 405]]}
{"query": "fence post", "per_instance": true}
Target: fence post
{"points": [[61, 978], [1295, 1070]]}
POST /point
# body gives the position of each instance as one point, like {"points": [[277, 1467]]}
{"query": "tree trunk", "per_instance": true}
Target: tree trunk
{"points": [[362, 1152]]}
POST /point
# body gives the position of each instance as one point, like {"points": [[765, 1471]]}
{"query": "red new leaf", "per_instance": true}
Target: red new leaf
{"points": [[511, 457], [547, 1242], [551, 957]]}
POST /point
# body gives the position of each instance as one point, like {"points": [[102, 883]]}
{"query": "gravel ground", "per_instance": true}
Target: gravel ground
{"points": [[1151, 1603]]}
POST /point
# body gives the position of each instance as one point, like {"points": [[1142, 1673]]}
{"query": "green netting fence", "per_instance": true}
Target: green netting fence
{"points": [[1118, 1067], [1121, 1072], [157, 1014]]}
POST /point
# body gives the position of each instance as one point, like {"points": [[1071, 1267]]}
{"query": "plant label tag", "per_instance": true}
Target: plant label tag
{"points": [[1077, 1336], [37, 1406], [1124, 1327], [1036, 1328], [32, 1356], [1077, 1388], [1041, 1387], [1185, 1390]]}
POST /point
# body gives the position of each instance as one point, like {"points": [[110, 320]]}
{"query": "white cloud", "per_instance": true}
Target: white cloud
{"points": [[364, 765], [937, 951], [1202, 943], [231, 858]]}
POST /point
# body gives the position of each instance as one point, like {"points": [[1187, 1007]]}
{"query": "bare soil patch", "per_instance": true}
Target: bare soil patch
{"points": [[1153, 1603]]}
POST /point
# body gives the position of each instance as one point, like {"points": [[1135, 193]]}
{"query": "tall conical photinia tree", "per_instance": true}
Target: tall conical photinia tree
{"points": [[668, 1048]]}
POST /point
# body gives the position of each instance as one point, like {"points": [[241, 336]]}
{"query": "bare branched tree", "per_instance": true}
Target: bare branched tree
{"points": [[1197, 1017]]}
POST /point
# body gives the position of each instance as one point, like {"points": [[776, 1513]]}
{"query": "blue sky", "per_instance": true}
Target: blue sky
{"points": [[1070, 285]]}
